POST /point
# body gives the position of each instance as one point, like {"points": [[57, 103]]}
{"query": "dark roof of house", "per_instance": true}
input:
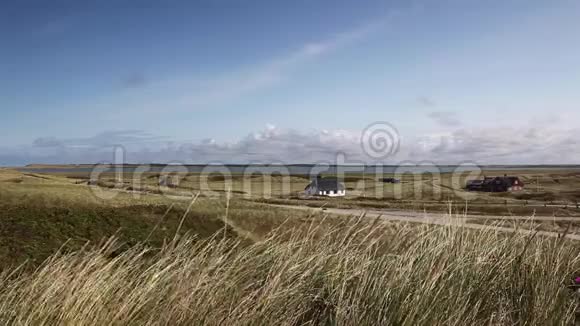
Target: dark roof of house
{"points": [[495, 182], [326, 184], [510, 181]]}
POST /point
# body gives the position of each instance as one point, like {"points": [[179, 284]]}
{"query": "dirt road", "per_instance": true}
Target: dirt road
{"points": [[441, 219]]}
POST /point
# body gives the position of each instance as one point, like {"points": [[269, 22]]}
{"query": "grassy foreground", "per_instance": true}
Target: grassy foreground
{"points": [[39, 216], [242, 263], [354, 272]]}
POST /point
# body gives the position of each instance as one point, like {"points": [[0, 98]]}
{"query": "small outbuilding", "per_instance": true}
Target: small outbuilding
{"points": [[330, 187]]}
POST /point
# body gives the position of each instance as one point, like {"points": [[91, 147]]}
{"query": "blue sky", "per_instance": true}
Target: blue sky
{"points": [[294, 81]]}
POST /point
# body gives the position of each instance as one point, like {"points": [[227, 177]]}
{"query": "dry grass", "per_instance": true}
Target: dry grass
{"points": [[357, 272], [295, 269]]}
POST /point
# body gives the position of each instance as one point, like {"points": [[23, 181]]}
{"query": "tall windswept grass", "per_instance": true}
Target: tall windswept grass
{"points": [[352, 273]]}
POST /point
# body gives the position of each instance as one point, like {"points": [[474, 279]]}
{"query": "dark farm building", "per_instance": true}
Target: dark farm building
{"points": [[496, 184]]}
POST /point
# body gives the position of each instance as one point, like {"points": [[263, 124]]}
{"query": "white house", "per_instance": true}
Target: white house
{"points": [[330, 187]]}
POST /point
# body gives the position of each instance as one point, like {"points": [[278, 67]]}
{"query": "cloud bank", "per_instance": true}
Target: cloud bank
{"points": [[486, 145]]}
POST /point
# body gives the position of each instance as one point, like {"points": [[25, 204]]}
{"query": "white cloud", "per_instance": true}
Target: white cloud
{"points": [[103, 139], [484, 145], [501, 144], [445, 118]]}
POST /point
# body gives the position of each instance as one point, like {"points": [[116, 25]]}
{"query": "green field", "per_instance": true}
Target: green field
{"points": [[39, 213], [550, 192]]}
